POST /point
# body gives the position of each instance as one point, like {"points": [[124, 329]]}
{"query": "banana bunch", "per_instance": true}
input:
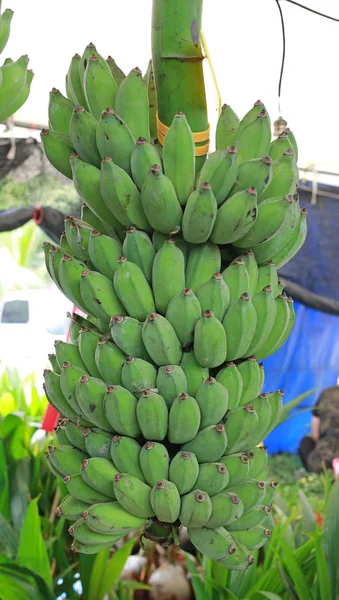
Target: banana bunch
{"points": [[160, 390], [15, 77]]}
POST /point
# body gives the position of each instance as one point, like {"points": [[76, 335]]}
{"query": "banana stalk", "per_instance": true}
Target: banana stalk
{"points": [[177, 62]]}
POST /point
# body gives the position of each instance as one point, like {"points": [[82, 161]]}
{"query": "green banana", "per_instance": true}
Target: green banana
{"points": [[220, 171], [168, 274], [216, 543], [165, 501], [69, 377], [227, 508], [118, 74], [76, 435], [160, 201], [70, 508], [131, 103], [65, 459], [276, 335], [125, 453], [127, 335], [104, 252], [99, 296], [251, 115], [214, 295], [161, 341], [111, 518], [77, 235], [133, 289], [54, 363], [253, 141], [237, 467], [179, 157], [236, 278], [99, 86], [13, 77], [138, 375], [87, 343], [98, 443], [115, 139], [266, 309], [253, 538], [89, 541], [284, 177], [203, 261], [240, 424], [159, 239], [171, 381], [279, 288], [80, 490], [199, 215], [235, 217], [231, 379], [293, 245], [66, 352], [262, 374], [270, 492], [279, 146], [210, 345], [195, 374], [258, 463], [5, 27], [120, 407], [254, 517], [293, 142], [52, 468], [144, 155], [109, 360], [183, 312], [196, 508], [212, 398], [152, 416], [251, 493], [86, 179], [209, 444], [73, 83], [69, 273], [138, 248], [256, 173], [154, 462], [212, 478], [184, 419], [239, 324], [267, 275], [57, 148], [240, 559], [276, 403], [184, 471], [274, 216], [152, 101], [133, 495], [251, 380], [121, 195], [99, 474], [264, 412], [88, 52], [252, 271], [90, 393], [267, 250], [82, 133], [60, 111], [226, 129]]}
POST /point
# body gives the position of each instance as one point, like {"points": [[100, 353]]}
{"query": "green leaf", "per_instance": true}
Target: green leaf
{"points": [[97, 573], [295, 572], [289, 406], [115, 567], [309, 520], [8, 539], [19, 491], [4, 483], [32, 552], [22, 584], [268, 595], [86, 562], [331, 536], [324, 582], [198, 586], [7, 403]]}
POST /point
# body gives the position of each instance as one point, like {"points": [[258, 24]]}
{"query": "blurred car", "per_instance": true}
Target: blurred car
{"points": [[30, 321]]}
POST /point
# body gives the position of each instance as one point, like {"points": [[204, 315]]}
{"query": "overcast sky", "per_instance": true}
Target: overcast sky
{"points": [[244, 39]]}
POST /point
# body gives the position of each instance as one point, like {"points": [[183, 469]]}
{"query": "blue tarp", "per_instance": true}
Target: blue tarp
{"points": [[309, 359]]}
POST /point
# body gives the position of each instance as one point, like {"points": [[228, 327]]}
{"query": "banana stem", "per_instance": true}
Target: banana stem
{"points": [[177, 63]]}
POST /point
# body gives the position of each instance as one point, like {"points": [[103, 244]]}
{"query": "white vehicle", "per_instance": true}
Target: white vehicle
{"points": [[30, 321]]}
